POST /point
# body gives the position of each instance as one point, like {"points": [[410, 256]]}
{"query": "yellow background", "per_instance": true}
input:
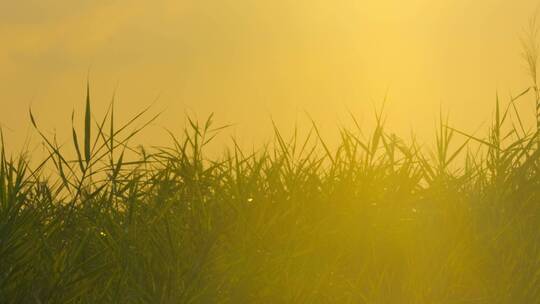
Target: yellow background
{"points": [[252, 60]]}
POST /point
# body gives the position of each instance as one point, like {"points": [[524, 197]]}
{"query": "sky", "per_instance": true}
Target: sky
{"points": [[252, 61]]}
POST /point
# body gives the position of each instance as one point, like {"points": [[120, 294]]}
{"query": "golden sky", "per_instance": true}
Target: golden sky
{"points": [[251, 60]]}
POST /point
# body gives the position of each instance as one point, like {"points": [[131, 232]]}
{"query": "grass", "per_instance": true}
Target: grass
{"points": [[375, 220]]}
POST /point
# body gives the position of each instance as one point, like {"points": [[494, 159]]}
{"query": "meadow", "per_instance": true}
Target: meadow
{"points": [[374, 219]]}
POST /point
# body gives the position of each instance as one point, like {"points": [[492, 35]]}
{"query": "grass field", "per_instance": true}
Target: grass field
{"points": [[375, 220]]}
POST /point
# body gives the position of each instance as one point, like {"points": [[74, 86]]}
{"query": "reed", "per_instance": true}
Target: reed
{"points": [[375, 220]]}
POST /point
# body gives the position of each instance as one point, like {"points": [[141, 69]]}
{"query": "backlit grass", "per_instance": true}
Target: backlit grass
{"points": [[375, 220]]}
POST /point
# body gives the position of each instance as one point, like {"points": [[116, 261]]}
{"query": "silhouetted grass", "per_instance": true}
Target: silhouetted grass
{"points": [[375, 220]]}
